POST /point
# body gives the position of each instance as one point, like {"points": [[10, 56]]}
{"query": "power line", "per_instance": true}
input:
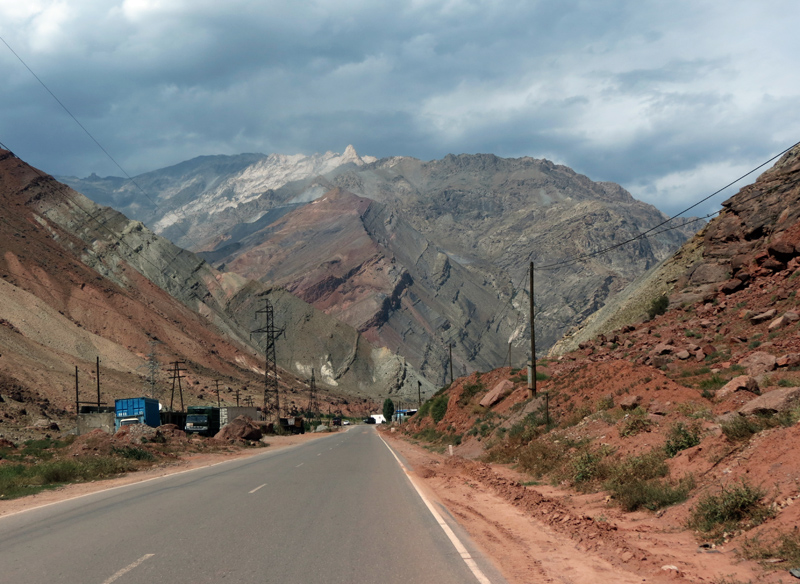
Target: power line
{"points": [[644, 234], [88, 133]]}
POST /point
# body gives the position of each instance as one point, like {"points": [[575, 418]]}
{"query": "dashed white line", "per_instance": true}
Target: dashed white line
{"points": [[127, 569], [462, 551], [254, 490], [299, 465]]}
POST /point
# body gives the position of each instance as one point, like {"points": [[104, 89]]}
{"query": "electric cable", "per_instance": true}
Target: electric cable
{"points": [[644, 234], [88, 133]]}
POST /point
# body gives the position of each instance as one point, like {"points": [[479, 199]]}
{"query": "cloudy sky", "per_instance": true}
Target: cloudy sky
{"points": [[671, 99]]}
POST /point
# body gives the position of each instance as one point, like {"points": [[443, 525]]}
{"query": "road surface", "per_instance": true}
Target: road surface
{"points": [[336, 509]]}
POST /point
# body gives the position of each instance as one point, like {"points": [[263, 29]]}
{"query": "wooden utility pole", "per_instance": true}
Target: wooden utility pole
{"points": [[216, 381], [98, 384], [532, 380], [419, 394], [77, 393]]}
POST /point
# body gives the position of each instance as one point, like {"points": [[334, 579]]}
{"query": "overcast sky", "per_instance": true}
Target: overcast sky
{"points": [[671, 99]]}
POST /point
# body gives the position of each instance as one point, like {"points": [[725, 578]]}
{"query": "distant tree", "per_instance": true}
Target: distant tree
{"points": [[388, 409], [658, 306]]}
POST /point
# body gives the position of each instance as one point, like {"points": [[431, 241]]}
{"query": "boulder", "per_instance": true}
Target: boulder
{"points": [[732, 285], [682, 355], [759, 362], [773, 402], [657, 408], [709, 274], [781, 250], [788, 360], [663, 349], [764, 316], [630, 402], [497, 393], [321, 428], [773, 265], [778, 323], [741, 383]]}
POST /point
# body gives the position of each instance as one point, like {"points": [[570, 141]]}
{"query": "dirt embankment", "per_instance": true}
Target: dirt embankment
{"points": [[547, 534]]}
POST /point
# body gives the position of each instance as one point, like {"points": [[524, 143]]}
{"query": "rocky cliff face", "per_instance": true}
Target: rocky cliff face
{"points": [[755, 237], [102, 284], [359, 262], [438, 250]]}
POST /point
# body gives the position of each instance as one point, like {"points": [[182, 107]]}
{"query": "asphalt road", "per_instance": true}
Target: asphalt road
{"points": [[336, 509]]}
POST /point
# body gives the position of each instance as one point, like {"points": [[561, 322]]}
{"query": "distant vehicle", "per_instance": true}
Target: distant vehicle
{"points": [[337, 421], [369, 420], [293, 425], [379, 419], [345, 422], [137, 410], [203, 420]]}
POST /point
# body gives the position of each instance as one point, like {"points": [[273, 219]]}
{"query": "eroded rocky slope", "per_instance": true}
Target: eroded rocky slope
{"points": [[81, 281], [446, 266]]}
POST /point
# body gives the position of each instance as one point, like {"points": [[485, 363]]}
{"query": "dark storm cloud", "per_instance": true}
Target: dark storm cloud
{"points": [[668, 99]]}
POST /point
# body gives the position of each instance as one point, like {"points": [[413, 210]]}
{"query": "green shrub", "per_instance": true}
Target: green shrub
{"points": [[651, 494], [590, 466], [469, 392], [740, 428], [133, 453], [658, 306], [713, 383], [439, 407], [541, 456], [680, 437], [605, 403], [635, 422], [785, 546], [732, 507]]}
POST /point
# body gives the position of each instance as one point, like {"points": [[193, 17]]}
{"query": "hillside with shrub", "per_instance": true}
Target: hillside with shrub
{"points": [[688, 412]]}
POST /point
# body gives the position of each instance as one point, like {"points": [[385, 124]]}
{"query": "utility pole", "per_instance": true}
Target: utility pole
{"points": [[532, 379], [237, 397], [77, 394], [419, 394], [216, 381], [98, 384], [177, 375], [272, 398]]}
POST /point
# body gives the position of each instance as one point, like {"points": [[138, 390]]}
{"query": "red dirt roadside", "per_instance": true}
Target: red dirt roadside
{"points": [[545, 534]]}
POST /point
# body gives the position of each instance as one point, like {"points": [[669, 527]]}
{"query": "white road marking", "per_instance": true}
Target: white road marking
{"points": [[127, 569], [254, 490], [462, 551], [299, 465]]}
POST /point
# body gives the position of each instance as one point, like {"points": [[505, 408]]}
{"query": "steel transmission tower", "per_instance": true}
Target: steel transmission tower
{"points": [[272, 399], [313, 405]]}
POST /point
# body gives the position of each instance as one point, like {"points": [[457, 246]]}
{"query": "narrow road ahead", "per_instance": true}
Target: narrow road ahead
{"points": [[336, 509]]}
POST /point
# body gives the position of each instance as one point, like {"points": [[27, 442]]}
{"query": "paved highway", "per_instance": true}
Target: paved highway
{"points": [[336, 509]]}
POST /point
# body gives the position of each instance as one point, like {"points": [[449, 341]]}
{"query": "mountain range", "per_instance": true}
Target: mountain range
{"points": [[419, 257]]}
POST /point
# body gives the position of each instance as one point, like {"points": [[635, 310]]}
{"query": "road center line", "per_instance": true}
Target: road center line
{"points": [[127, 569], [462, 551], [254, 490], [299, 465]]}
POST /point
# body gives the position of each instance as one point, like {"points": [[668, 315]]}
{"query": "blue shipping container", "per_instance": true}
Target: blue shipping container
{"points": [[143, 410]]}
